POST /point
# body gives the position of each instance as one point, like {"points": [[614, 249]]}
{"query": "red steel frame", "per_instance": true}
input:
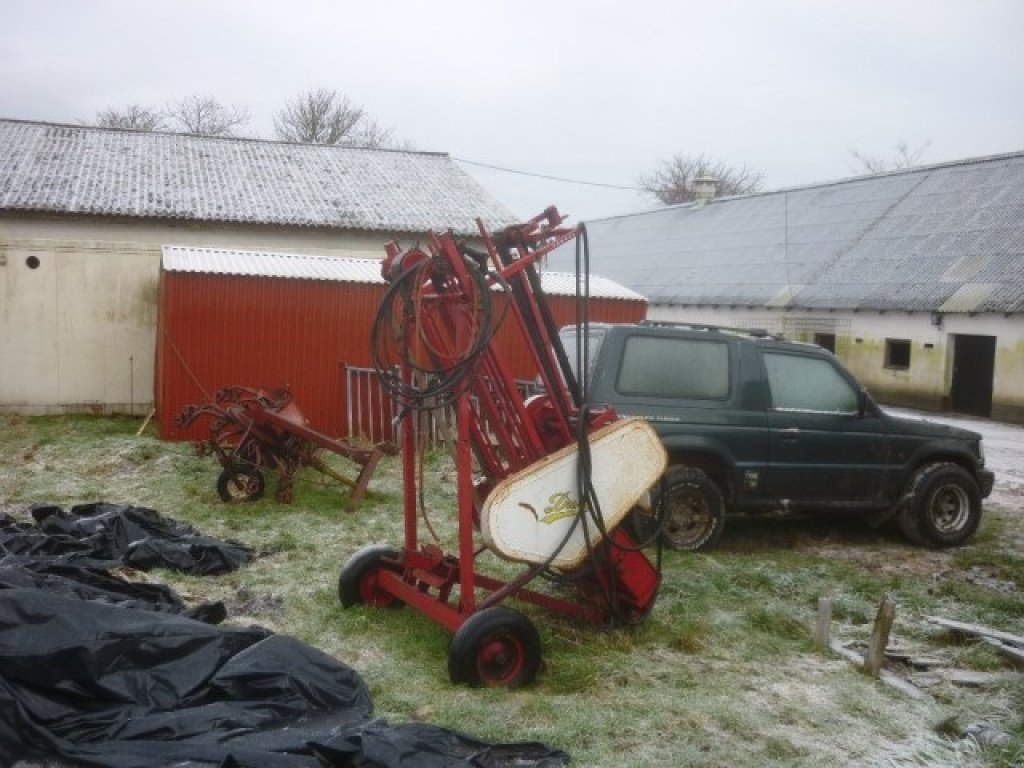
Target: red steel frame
{"points": [[504, 433]]}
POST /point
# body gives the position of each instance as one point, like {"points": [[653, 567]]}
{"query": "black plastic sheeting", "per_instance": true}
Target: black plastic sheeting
{"points": [[104, 534], [98, 671]]}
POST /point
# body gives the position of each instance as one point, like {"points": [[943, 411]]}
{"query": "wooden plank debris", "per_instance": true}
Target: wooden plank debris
{"points": [[887, 677], [1012, 653], [977, 630]]}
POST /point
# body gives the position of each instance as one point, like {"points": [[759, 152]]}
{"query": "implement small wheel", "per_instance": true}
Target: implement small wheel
{"points": [[690, 508], [240, 484], [496, 647], [357, 582], [945, 504]]}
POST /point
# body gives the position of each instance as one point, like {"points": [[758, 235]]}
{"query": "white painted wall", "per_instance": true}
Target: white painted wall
{"points": [[77, 332], [860, 344]]}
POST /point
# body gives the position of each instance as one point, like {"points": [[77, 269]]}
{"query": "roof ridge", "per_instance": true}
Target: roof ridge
{"points": [[205, 137]]}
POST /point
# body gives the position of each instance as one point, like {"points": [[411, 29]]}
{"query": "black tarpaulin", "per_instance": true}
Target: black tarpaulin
{"points": [[101, 671], [103, 533], [113, 686]]}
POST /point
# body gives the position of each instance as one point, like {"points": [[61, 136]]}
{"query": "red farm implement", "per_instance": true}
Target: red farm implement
{"points": [[543, 482], [253, 431]]}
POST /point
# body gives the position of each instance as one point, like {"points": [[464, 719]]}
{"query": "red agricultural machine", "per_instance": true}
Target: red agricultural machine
{"points": [[542, 482], [253, 431]]}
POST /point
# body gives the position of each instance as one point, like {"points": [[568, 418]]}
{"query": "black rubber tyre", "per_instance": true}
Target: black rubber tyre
{"points": [[944, 504], [907, 520], [240, 484], [356, 584], [695, 510], [496, 647]]}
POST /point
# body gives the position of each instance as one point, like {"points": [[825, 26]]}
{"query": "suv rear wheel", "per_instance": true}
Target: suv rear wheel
{"points": [[689, 508], [944, 508]]}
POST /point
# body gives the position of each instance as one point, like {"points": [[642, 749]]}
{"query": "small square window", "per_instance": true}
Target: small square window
{"points": [[897, 354]]}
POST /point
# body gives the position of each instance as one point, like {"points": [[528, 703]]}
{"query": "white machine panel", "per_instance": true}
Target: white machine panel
{"points": [[529, 514]]}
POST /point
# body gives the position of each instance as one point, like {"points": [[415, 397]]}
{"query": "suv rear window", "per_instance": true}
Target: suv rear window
{"points": [[807, 384], [659, 366]]}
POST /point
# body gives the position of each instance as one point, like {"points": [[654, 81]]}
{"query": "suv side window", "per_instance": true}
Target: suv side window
{"points": [[801, 383], [661, 366]]}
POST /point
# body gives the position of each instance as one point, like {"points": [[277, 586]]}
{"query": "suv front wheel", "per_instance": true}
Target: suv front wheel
{"points": [[688, 508], [944, 508]]}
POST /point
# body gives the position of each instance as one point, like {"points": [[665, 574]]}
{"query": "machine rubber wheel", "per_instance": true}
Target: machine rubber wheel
{"points": [[695, 510], [495, 647], [356, 582], [240, 484], [944, 504]]}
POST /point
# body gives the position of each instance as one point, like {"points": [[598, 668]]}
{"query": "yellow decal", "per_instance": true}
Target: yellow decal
{"points": [[560, 506]]}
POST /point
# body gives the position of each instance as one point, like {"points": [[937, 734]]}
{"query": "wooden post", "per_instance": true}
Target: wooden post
{"points": [[875, 653], [823, 627]]}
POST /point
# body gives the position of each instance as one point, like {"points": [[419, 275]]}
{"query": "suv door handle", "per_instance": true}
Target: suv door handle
{"points": [[790, 435]]}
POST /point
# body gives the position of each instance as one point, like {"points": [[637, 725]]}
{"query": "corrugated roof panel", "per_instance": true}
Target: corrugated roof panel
{"points": [[219, 261], [905, 240], [104, 172]]}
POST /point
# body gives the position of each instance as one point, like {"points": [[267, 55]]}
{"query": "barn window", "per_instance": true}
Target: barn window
{"points": [[897, 354]]}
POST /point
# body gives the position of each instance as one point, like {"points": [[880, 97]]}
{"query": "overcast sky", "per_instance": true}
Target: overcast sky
{"points": [[588, 90]]}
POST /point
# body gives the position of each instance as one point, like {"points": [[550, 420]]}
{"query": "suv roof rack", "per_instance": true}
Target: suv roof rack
{"points": [[757, 333]]}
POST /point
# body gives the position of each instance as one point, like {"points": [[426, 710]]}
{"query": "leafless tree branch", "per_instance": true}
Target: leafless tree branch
{"points": [[318, 117], [205, 116], [903, 157], [132, 117], [672, 182]]}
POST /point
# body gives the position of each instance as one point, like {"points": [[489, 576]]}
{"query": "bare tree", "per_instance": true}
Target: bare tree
{"points": [[672, 183], [904, 157], [133, 117], [205, 116], [369, 133], [327, 117]]}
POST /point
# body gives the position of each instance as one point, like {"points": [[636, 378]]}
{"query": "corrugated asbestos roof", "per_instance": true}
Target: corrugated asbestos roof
{"points": [[946, 237], [84, 170], [177, 258]]}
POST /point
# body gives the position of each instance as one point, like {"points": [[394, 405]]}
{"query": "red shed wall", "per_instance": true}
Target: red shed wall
{"points": [[217, 330]]}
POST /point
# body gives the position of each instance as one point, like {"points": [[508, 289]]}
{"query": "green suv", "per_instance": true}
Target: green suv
{"points": [[754, 423]]}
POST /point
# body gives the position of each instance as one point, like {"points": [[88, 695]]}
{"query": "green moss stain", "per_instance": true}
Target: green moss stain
{"points": [[1008, 386]]}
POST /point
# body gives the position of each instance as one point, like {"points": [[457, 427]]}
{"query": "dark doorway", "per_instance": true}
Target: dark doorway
{"points": [[826, 341], [974, 359]]}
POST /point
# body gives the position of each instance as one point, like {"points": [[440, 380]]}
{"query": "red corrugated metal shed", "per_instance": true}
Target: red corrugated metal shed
{"points": [[272, 320]]}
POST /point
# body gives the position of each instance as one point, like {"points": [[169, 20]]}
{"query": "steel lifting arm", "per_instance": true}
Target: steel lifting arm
{"points": [[530, 497]]}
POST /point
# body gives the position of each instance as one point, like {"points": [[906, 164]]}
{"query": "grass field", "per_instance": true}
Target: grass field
{"points": [[723, 672]]}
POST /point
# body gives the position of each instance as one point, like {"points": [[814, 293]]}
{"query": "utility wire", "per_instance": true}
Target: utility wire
{"points": [[549, 178]]}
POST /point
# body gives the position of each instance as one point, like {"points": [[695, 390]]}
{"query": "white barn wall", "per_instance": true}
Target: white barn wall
{"points": [[860, 344], [78, 331]]}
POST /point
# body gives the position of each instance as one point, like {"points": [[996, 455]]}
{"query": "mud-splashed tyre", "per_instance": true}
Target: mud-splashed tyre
{"points": [[357, 583], [906, 519], [689, 507], [496, 647], [944, 504], [240, 484]]}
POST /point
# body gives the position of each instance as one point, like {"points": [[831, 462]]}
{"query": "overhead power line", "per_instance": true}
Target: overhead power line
{"points": [[548, 177]]}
